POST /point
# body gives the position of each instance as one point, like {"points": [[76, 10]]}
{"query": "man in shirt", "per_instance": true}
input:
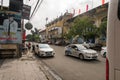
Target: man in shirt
{"points": [[10, 27]]}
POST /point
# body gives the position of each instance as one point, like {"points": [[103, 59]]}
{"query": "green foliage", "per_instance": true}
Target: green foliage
{"points": [[29, 37], [83, 26], [103, 28], [33, 37]]}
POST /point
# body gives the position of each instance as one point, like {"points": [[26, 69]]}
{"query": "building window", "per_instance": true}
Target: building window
{"points": [[119, 9]]}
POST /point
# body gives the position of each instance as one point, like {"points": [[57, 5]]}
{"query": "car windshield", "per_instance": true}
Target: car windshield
{"points": [[80, 47], [44, 46]]}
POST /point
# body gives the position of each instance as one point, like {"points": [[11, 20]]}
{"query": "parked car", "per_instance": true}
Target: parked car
{"points": [[60, 42], [44, 50], [78, 50], [96, 47], [103, 51], [49, 42]]}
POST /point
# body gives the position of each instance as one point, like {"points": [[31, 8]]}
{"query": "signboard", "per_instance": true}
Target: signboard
{"points": [[28, 26], [10, 27], [15, 5], [26, 11]]}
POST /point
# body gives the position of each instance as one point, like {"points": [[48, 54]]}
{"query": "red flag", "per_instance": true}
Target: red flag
{"points": [[79, 11], [103, 1], [87, 7]]}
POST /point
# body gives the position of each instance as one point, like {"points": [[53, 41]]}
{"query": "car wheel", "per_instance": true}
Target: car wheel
{"points": [[67, 53], [104, 55], [81, 56]]}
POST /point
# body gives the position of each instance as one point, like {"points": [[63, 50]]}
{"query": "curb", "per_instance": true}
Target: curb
{"points": [[51, 75]]}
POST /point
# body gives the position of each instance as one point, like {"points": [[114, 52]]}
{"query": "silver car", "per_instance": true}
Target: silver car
{"points": [[78, 50], [44, 50]]}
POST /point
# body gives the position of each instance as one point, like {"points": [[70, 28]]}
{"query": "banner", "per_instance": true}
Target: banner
{"points": [[10, 27]]}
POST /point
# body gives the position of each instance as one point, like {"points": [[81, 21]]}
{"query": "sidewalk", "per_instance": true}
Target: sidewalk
{"points": [[25, 68]]}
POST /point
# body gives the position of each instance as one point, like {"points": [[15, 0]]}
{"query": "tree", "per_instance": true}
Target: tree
{"points": [[35, 36], [103, 29], [84, 27], [29, 37]]}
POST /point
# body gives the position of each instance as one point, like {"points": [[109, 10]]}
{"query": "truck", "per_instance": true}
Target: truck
{"points": [[11, 33], [10, 50]]}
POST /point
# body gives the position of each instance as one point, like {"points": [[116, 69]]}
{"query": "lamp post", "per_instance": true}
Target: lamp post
{"points": [[1, 4]]}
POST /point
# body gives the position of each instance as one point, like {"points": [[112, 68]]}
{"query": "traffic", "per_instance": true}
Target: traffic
{"points": [[77, 40]]}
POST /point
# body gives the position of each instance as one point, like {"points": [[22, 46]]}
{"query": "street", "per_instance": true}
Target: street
{"points": [[71, 68]]}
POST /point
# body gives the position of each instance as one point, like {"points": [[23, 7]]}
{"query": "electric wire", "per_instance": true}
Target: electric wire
{"points": [[38, 4]]}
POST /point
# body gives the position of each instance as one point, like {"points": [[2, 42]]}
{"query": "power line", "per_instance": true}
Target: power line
{"points": [[36, 8], [39, 6]]}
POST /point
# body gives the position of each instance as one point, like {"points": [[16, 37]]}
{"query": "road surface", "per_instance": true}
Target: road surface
{"points": [[71, 68]]}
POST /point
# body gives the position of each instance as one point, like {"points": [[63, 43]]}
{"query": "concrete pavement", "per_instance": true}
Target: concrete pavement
{"points": [[72, 68], [25, 68]]}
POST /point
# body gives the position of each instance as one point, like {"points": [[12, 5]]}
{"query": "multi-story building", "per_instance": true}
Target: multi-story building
{"points": [[60, 26], [56, 29], [43, 35]]}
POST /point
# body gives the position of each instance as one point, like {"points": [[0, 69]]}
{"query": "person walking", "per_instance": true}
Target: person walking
{"points": [[29, 46], [33, 48]]}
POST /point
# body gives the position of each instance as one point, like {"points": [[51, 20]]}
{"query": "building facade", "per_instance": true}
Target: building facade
{"points": [[60, 26]]}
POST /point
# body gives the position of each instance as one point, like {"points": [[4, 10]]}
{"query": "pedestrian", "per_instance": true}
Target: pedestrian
{"points": [[29, 45], [33, 48]]}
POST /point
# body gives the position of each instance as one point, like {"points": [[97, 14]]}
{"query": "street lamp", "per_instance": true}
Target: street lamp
{"points": [[1, 4]]}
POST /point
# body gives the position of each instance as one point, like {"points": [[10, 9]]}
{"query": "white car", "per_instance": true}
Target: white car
{"points": [[44, 50], [103, 51], [78, 50]]}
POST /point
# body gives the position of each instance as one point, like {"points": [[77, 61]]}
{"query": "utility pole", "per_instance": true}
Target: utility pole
{"points": [[1, 4]]}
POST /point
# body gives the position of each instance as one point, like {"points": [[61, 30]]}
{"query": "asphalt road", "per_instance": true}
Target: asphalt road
{"points": [[71, 68]]}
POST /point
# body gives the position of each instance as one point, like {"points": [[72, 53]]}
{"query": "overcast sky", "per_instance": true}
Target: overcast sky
{"points": [[54, 8]]}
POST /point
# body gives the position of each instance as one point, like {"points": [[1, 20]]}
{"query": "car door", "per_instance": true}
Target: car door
{"points": [[69, 49], [74, 50]]}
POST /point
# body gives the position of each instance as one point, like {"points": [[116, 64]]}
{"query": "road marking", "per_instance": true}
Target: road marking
{"points": [[54, 75]]}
